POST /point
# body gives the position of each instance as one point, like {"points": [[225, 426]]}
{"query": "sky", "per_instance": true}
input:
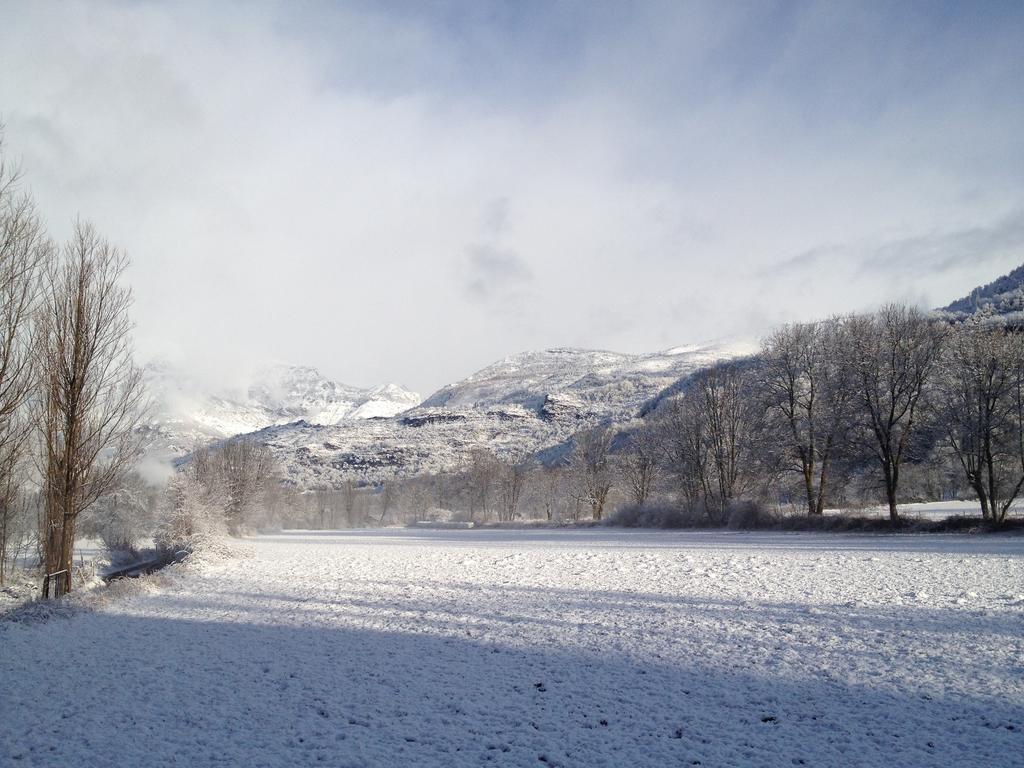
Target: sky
{"points": [[410, 191]]}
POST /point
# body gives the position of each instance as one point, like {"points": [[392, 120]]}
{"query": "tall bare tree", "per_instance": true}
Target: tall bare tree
{"points": [[550, 485], [349, 495], [247, 469], [510, 481], [322, 504], [894, 353], [733, 428], [981, 410], [590, 469], [24, 250], [808, 392], [481, 475], [17, 519], [90, 392], [387, 499], [639, 463], [685, 451]]}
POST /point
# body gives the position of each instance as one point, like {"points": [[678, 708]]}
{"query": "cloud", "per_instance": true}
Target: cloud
{"points": [[924, 254], [494, 275], [977, 245], [410, 191]]}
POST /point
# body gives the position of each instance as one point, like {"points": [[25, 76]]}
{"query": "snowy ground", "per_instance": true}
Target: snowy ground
{"points": [[574, 648], [926, 510]]}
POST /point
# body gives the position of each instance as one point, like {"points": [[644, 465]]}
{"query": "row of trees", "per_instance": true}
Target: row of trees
{"points": [[863, 394], [70, 395]]}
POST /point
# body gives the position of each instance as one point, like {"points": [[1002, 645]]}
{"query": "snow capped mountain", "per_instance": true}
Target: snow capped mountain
{"points": [[187, 413], [526, 403], [383, 401], [606, 381]]}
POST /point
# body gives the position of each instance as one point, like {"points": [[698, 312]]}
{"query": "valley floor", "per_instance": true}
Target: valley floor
{"points": [[527, 648]]}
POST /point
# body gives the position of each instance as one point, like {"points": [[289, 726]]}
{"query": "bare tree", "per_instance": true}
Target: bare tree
{"points": [[590, 469], [639, 463], [685, 451], [387, 499], [322, 504], [247, 469], [281, 507], [24, 251], [510, 481], [808, 392], [483, 469], [348, 500], [551, 488], [90, 392], [894, 353], [981, 409], [733, 429], [17, 519]]}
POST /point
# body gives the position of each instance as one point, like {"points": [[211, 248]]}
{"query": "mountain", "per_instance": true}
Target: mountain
{"points": [[187, 413], [1002, 300], [526, 403], [606, 381]]}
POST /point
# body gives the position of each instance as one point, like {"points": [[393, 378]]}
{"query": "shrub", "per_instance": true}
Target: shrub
{"points": [[187, 516], [746, 515], [656, 516]]}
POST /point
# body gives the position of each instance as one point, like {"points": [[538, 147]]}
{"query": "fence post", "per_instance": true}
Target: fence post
{"points": [[61, 586]]}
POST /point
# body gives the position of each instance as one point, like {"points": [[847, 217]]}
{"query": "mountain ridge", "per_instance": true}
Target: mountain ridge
{"points": [[520, 405], [1002, 299]]}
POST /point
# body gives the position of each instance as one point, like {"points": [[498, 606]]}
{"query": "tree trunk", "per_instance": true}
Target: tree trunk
{"points": [[986, 510], [809, 488], [890, 494], [822, 488], [891, 480]]}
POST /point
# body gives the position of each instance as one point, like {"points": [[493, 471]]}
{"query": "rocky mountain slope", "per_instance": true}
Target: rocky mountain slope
{"points": [[522, 404]]}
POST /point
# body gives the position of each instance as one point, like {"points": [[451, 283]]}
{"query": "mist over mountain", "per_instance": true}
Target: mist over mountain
{"points": [[187, 412]]}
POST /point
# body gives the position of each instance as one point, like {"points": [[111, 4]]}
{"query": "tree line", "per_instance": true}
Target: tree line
{"points": [[856, 400]]}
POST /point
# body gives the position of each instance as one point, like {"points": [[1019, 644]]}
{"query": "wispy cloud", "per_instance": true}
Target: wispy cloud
{"points": [[922, 255], [494, 273]]}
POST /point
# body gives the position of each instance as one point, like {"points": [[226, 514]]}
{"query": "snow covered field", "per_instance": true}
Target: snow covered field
{"points": [[927, 510], [527, 648]]}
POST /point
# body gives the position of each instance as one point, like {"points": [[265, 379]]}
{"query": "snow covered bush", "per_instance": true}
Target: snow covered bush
{"points": [[188, 515], [122, 518]]}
